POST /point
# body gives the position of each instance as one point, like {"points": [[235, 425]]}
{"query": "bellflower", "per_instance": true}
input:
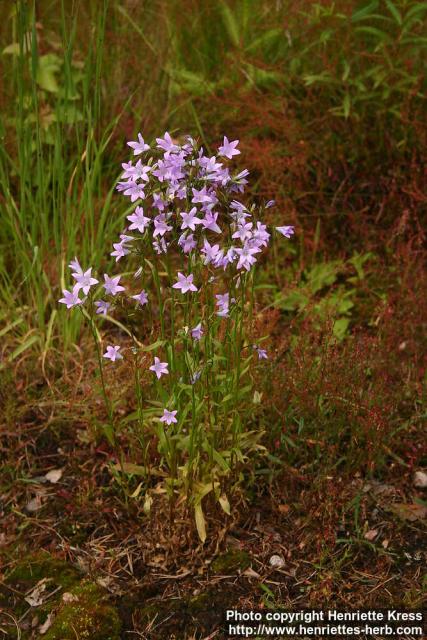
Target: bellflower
{"points": [[102, 307], [197, 331], [161, 226], [166, 143], [142, 298], [71, 298], [113, 354], [246, 256], [138, 146], [135, 191], [228, 149], [112, 285], [185, 283], [74, 264], [262, 353], [187, 242], [169, 416], [286, 231], [159, 368], [160, 246], [189, 220], [138, 220], [84, 281]]}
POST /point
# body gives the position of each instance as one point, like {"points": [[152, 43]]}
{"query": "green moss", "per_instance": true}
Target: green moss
{"points": [[231, 562], [88, 616], [41, 565]]}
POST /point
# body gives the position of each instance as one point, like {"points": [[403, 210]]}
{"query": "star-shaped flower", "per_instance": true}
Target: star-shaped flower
{"points": [[112, 285], [228, 149], [113, 354], [159, 368], [142, 298], [209, 222], [185, 283], [262, 353], [85, 281], [71, 298], [189, 220], [138, 220], [102, 307], [138, 146], [168, 416], [161, 226], [166, 143]]}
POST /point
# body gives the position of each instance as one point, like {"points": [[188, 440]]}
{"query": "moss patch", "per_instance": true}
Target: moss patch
{"points": [[231, 562], [85, 614], [88, 615], [41, 565]]}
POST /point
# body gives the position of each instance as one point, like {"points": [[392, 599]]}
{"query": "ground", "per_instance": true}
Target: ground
{"points": [[107, 571]]}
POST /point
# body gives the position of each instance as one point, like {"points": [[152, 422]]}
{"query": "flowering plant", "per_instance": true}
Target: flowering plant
{"points": [[195, 244]]}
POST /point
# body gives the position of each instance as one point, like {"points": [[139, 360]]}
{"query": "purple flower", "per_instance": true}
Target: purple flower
{"points": [[211, 252], [202, 196], [120, 251], [139, 146], [262, 353], [246, 256], [260, 235], [84, 281], [185, 283], [139, 221], [160, 225], [187, 242], [244, 231], [209, 222], [168, 416], [223, 301], [136, 172], [270, 203], [120, 248], [160, 246], [113, 354], [227, 259], [75, 264], [189, 220], [159, 368], [134, 190], [158, 202], [71, 298], [166, 143], [286, 231], [195, 377], [142, 298], [102, 307], [228, 149], [162, 172], [197, 331], [112, 285]]}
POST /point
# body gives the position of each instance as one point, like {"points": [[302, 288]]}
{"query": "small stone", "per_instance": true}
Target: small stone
{"points": [[371, 534], [420, 480], [54, 476], [69, 597], [277, 562], [35, 504], [46, 625]]}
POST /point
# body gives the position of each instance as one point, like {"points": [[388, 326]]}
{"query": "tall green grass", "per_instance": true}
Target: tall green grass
{"points": [[56, 197]]}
